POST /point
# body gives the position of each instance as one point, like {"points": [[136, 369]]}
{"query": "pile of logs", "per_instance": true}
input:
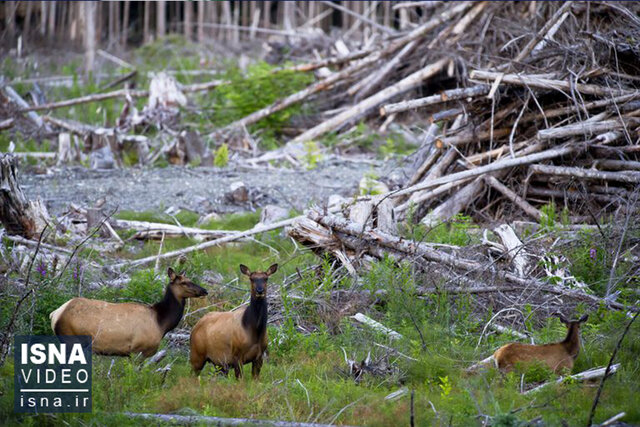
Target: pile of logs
{"points": [[526, 106]]}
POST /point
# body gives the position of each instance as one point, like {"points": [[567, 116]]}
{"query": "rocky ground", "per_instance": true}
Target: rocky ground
{"points": [[198, 189]]}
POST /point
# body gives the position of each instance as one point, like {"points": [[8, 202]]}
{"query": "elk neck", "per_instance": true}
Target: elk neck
{"points": [[254, 318], [168, 311], [572, 341]]}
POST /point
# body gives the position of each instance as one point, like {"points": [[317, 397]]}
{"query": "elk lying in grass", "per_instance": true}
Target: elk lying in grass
{"points": [[126, 328], [233, 338], [557, 356]]}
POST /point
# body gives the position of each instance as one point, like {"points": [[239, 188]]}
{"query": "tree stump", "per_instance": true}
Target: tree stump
{"points": [[18, 215]]}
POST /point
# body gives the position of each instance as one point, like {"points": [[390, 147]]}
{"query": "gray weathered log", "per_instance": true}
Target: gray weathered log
{"points": [[630, 177], [551, 84], [584, 128], [447, 95], [218, 421], [511, 195], [373, 101]]}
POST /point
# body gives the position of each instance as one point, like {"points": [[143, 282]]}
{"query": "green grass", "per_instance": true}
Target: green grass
{"points": [[456, 231], [305, 377], [316, 364]]}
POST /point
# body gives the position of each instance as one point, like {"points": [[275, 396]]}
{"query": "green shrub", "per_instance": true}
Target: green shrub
{"points": [[221, 158]]}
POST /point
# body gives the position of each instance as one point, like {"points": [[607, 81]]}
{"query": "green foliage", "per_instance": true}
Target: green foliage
{"points": [[456, 231], [312, 155], [305, 376], [145, 286], [240, 222], [221, 158], [548, 219], [184, 217], [252, 90]]}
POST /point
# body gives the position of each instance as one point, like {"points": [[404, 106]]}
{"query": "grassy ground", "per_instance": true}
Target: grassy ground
{"points": [[306, 378]]}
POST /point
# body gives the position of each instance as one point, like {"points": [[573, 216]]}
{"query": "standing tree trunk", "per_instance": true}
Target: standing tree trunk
{"points": [[161, 19], [201, 14], [43, 17], [125, 24], [52, 19], [27, 22], [18, 215], [266, 19], [146, 20], [90, 9], [188, 20]]}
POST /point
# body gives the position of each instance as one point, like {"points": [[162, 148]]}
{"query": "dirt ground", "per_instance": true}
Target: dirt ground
{"points": [[198, 189]]}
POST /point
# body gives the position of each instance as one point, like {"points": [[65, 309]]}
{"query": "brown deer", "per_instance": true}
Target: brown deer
{"points": [[233, 338], [126, 328], [557, 356]]}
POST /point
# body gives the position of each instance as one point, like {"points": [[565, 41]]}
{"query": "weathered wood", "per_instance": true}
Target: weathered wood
{"points": [[152, 230], [364, 87], [18, 215], [492, 167], [455, 204], [373, 101], [588, 375], [551, 84], [584, 128], [513, 197], [630, 177], [218, 421], [6, 124], [445, 96], [544, 32], [368, 239], [122, 93], [216, 242], [373, 57], [13, 95], [377, 326], [515, 251]]}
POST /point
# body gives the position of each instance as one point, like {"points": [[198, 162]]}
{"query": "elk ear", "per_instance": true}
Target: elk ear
{"points": [[563, 319], [182, 273], [171, 274], [583, 318], [245, 270], [272, 269]]}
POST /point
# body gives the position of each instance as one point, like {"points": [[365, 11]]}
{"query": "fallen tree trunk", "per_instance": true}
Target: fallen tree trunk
{"points": [[545, 83], [153, 230], [447, 95], [588, 375], [122, 93], [583, 128], [574, 172], [513, 197], [365, 105], [219, 421], [379, 242], [230, 238], [492, 167]]}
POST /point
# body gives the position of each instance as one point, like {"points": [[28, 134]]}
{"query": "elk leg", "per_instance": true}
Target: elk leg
{"points": [[237, 367], [197, 363], [255, 368]]}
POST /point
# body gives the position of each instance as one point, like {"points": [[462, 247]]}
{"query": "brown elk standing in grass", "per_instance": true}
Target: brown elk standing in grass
{"points": [[233, 338], [126, 328], [557, 356]]}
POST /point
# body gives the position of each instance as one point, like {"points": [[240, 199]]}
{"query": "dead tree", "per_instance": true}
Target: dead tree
{"points": [[18, 215]]}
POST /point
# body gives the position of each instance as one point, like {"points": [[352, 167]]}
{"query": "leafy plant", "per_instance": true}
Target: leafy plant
{"points": [[221, 158]]}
